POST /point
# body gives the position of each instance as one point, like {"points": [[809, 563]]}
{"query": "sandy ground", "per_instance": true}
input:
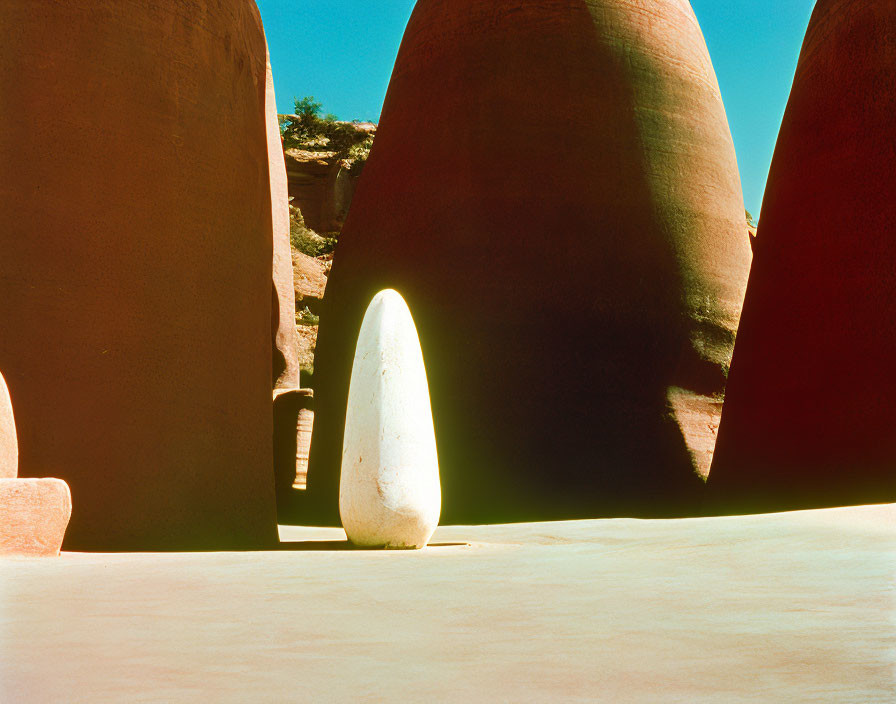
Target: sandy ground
{"points": [[797, 607]]}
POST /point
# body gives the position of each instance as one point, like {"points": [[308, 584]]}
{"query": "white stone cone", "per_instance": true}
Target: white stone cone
{"points": [[389, 492]]}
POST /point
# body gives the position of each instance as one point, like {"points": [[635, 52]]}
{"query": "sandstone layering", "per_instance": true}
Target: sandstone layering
{"points": [[809, 418], [588, 384], [321, 185], [389, 493], [136, 274]]}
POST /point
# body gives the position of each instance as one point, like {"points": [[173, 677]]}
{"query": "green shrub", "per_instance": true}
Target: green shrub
{"points": [[306, 317], [309, 131], [306, 240]]}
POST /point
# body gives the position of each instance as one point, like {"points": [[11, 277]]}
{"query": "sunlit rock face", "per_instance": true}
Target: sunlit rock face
{"points": [[136, 267], [33, 516], [810, 419], [34, 513], [9, 447], [553, 189], [289, 402], [283, 316]]}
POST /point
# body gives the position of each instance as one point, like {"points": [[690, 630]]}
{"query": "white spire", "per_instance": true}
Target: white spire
{"points": [[389, 492]]}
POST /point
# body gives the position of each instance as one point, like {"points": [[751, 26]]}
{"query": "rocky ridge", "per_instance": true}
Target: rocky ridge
{"points": [[322, 173]]}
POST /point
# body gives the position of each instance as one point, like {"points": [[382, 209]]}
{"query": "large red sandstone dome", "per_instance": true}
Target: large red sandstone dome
{"points": [[554, 191], [810, 418], [136, 266]]}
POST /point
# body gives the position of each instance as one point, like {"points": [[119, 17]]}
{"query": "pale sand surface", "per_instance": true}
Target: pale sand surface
{"points": [[797, 607]]}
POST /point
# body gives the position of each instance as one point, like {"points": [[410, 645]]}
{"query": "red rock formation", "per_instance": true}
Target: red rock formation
{"points": [[287, 397], [810, 419], [285, 342], [33, 516], [321, 185], [9, 446], [588, 385], [34, 513], [136, 271], [309, 279]]}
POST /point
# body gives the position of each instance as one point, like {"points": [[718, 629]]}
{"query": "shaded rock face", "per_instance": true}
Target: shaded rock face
{"points": [[809, 419], [312, 180], [136, 271], [610, 408], [322, 185]]}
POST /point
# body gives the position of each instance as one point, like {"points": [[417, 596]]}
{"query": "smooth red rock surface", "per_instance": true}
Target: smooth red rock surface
{"points": [[136, 271], [283, 318], [283, 313], [561, 386], [810, 419], [9, 448], [33, 516]]}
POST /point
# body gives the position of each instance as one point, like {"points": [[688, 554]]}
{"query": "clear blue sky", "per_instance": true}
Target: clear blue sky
{"points": [[342, 52]]}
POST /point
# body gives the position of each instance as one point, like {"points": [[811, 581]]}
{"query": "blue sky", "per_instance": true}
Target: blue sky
{"points": [[342, 52]]}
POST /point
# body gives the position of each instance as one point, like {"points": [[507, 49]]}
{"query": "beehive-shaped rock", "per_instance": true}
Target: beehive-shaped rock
{"points": [[809, 419], [553, 189], [136, 267]]}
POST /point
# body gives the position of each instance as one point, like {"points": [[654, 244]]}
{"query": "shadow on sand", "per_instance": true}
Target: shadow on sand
{"points": [[337, 545]]}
